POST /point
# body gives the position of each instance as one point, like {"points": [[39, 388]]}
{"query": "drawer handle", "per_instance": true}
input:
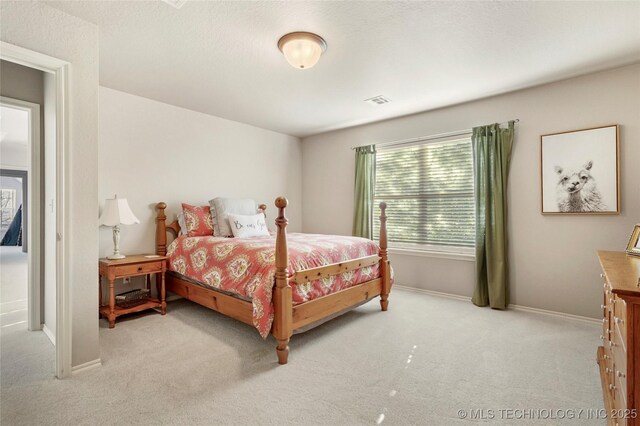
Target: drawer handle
{"points": [[601, 337], [606, 357], [601, 275], [618, 320], [607, 370], [140, 269], [612, 344], [612, 300], [602, 307], [620, 374], [611, 387], [604, 320]]}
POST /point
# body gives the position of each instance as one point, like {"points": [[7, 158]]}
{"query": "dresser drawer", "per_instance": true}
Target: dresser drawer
{"points": [[618, 352], [621, 384], [141, 269], [620, 317]]}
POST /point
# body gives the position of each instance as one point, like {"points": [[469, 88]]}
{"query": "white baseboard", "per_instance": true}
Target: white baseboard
{"points": [[513, 307], [49, 334], [433, 292], [557, 314], [86, 366]]}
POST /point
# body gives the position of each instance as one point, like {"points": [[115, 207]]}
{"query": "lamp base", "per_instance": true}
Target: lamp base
{"points": [[116, 257]]}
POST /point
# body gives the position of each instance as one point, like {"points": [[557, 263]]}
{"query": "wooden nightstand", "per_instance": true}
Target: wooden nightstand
{"points": [[132, 266]]}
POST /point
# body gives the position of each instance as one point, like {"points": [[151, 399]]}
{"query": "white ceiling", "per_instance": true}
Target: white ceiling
{"points": [[221, 58]]}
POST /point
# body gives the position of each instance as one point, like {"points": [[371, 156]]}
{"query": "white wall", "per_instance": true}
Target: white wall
{"points": [[36, 26], [13, 156], [553, 259], [150, 152]]}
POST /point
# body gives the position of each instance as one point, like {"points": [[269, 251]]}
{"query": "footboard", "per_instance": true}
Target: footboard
{"points": [[289, 318]]}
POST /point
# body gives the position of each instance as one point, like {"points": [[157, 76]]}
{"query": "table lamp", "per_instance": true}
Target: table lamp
{"points": [[117, 212]]}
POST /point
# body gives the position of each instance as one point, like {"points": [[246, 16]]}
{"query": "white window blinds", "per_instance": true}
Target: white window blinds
{"points": [[429, 192]]}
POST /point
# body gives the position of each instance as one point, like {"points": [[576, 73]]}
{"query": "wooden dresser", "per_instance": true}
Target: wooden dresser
{"points": [[619, 356]]}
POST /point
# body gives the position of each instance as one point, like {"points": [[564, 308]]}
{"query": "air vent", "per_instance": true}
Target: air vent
{"points": [[378, 100], [175, 3]]}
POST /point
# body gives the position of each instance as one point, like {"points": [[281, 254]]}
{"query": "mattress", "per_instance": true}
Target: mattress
{"points": [[246, 266]]}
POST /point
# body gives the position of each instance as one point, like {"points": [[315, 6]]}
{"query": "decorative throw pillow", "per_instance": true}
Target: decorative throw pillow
{"points": [[197, 220], [221, 207], [248, 225]]}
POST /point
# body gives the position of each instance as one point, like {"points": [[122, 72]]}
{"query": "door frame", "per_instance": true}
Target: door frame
{"points": [[31, 209], [60, 69]]}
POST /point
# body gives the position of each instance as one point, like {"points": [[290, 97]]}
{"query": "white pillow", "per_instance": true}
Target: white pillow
{"points": [[182, 223], [248, 225], [221, 207]]}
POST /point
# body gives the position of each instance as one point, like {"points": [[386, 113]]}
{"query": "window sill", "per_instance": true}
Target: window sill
{"points": [[464, 255]]}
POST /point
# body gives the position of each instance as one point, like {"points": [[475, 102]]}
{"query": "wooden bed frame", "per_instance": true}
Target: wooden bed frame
{"points": [[288, 319]]}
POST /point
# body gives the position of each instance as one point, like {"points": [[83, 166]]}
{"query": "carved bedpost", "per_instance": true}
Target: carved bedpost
{"points": [[385, 271], [161, 230], [282, 301]]}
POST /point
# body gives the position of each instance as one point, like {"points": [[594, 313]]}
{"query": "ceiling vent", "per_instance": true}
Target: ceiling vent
{"points": [[377, 100], [175, 3]]}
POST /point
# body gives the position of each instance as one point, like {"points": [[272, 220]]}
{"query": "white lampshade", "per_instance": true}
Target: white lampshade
{"points": [[302, 50], [117, 212]]}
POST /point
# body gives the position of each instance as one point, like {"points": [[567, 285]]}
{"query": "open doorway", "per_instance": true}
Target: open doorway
{"points": [[28, 296], [50, 248], [14, 290]]}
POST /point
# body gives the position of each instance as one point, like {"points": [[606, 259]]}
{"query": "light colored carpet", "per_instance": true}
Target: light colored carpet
{"points": [[13, 287], [419, 363]]}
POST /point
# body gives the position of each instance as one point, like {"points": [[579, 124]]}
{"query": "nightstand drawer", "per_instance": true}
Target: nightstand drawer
{"points": [[139, 269]]}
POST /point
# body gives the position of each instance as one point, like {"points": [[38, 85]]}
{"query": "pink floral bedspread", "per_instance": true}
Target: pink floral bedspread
{"points": [[246, 266]]}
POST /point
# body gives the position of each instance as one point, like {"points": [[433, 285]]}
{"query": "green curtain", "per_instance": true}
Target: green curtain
{"points": [[364, 189], [491, 156]]}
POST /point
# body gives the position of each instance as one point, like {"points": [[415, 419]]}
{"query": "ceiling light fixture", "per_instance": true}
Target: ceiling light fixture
{"points": [[302, 50]]}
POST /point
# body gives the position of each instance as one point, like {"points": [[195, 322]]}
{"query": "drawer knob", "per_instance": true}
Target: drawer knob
{"points": [[607, 370], [612, 344], [612, 301], [618, 320], [602, 306], [620, 374], [606, 357], [601, 275], [601, 337], [604, 320], [611, 387], [140, 269]]}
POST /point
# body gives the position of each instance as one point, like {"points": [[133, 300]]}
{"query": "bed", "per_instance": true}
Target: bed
{"points": [[280, 285]]}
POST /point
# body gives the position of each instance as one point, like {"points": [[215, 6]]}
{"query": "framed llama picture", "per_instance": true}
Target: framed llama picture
{"points": [[580, 171]]}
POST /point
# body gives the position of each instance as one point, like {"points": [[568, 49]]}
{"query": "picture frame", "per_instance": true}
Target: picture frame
{"points": [[580, 171], [633, 246]]}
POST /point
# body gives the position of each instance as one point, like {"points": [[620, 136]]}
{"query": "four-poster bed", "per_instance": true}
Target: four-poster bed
{"points": [[288, 318]]}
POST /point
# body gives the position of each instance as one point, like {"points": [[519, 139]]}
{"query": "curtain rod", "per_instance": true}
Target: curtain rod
{"points": [[428, 138]]}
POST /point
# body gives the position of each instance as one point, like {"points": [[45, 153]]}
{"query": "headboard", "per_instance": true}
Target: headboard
{"points": [[162, 228]]}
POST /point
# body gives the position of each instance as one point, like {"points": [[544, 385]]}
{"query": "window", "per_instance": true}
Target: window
{"points": [[428, 189]]}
